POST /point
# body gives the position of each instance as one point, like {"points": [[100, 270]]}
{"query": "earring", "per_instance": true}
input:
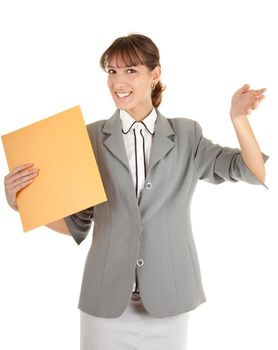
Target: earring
{"points": [[153, 86]]}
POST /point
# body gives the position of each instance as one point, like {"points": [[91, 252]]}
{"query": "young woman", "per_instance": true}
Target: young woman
{"points": [[142, 275]]}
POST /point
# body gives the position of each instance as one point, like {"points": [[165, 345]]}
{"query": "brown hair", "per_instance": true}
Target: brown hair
{"points": [[135, 49]]}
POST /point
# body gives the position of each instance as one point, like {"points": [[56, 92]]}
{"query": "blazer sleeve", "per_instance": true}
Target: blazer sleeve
{"points": [[79, 224], [217, 164]]}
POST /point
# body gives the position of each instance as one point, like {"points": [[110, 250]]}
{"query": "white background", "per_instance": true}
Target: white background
{"points": [[49, 62]]}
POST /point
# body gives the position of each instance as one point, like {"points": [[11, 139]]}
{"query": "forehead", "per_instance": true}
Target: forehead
{"points": [[123, 58], [122, 65], [118, 62]]}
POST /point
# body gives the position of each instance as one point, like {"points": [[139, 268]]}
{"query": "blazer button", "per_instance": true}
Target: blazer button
{"points": [[140, 262], [148, 185]]}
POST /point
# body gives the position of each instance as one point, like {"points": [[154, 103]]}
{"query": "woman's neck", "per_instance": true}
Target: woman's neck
{"points": [[139, 115]]}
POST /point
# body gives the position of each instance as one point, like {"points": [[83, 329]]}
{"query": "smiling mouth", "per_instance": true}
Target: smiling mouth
{"points": [[123, 94]]}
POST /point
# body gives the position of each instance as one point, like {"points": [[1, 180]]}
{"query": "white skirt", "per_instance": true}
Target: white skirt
{"points": [[135, 329]]}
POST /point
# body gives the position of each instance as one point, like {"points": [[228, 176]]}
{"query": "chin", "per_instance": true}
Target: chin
{"points": [[124, 106]]}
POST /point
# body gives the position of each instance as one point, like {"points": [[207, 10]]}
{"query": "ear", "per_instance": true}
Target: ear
{"points": [[156, 73]]}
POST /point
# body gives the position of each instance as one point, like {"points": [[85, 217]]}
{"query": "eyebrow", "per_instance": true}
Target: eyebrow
{"points": [[121, 67]]}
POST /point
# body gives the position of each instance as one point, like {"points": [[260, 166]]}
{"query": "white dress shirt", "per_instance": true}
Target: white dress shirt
{"points": [[138, 137]]}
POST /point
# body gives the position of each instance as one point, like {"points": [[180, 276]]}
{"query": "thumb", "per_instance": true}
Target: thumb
{"points": [[245, 88]]}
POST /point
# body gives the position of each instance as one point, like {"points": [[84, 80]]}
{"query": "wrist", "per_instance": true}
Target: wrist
{"points": [[237, 118]]}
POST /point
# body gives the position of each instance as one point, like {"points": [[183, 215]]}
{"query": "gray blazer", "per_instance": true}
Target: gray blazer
{"points": [[153, 234]]}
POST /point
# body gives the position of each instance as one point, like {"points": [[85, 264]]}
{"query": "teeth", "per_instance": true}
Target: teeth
{"points": [[123, 94]]}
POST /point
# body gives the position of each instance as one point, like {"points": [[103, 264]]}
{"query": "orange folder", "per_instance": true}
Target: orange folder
{"points": [[68, 180]]}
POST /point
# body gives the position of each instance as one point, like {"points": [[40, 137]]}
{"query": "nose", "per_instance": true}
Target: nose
{"points": [[119, 85], [118, 81]]}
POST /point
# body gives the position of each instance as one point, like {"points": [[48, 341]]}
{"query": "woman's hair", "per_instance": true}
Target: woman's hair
{"points": [[135, 49]]}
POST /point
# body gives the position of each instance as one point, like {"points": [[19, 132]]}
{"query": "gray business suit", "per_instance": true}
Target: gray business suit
{"points": [[155, 229]]}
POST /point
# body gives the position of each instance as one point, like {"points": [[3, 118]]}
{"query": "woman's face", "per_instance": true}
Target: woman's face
{"points": [[131, 87]]}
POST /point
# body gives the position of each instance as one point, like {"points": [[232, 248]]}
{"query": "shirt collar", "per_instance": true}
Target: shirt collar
{"points": [[127, 120]]}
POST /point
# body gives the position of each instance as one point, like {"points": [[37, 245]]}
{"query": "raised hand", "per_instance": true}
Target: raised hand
{"points": [[245, 100]]}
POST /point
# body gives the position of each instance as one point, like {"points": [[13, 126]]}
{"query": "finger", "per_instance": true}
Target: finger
{"points": [[238, 92], [21, 179], [259, 100], [244, 88], [15, 187], [258, 92], [23, 184], [20, 168], [11, 178], [255, 105]]}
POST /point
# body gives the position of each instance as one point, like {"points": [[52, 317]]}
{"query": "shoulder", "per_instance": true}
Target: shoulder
{"points": [[102, 124], [181, 121], [183, 124], [187, 130], [94, 128], [96, 124]]}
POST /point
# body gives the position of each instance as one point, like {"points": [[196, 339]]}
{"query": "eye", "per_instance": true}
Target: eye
{"points": [[111, 71], [130, 71]]}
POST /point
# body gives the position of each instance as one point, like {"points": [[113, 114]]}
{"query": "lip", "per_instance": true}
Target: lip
{"points": [[123, 95]]}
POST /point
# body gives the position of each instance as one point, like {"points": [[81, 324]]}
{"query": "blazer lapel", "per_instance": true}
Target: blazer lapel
{"points": [[115, 142], [161, 144]]}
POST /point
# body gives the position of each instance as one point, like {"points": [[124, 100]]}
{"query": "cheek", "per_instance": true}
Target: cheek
{"points": [[110, 85], [143, 86]]}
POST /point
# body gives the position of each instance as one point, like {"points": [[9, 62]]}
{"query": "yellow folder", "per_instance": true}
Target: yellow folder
{"points": [[68, 180]]}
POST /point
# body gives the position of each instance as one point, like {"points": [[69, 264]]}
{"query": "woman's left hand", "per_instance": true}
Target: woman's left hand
{"points": [[245, 100]]}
